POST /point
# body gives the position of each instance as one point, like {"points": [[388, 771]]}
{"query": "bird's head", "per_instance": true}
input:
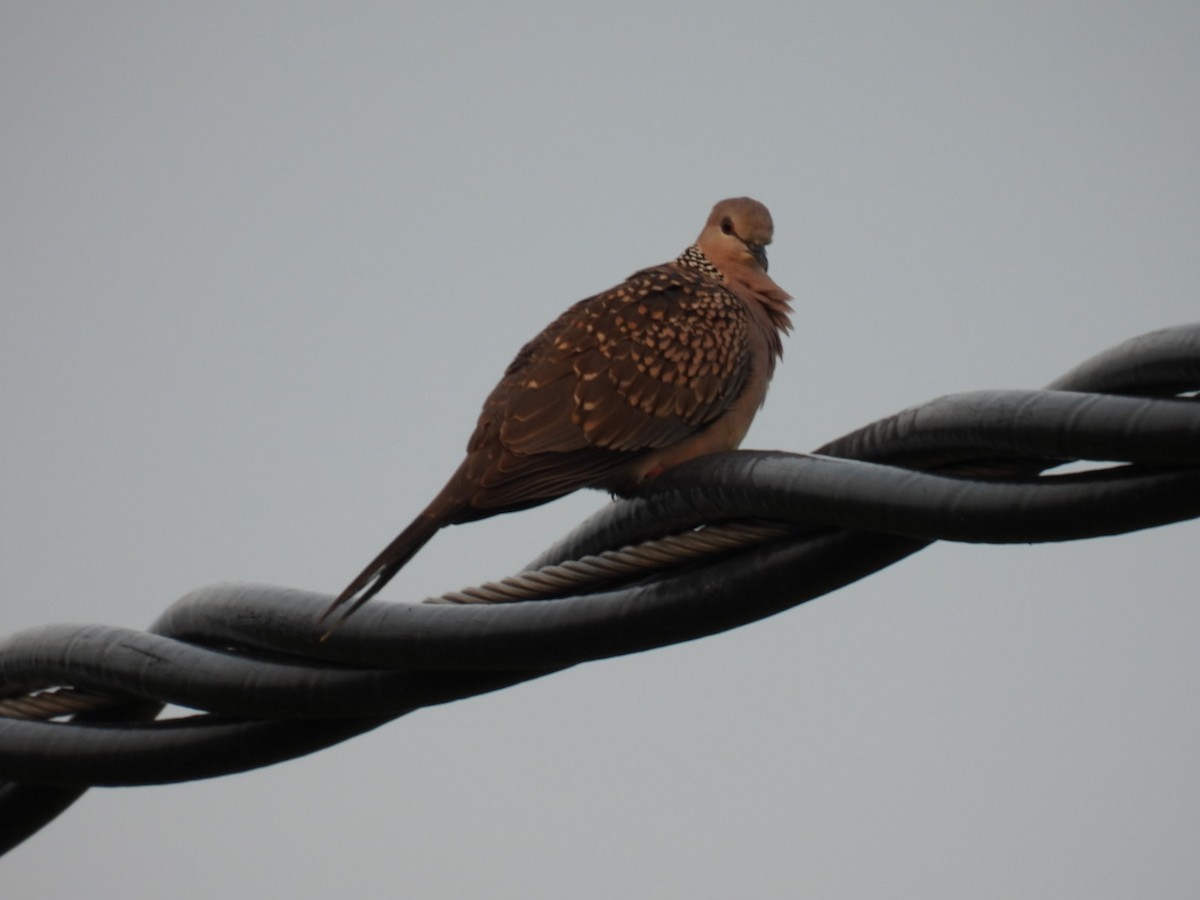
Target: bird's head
{"points": [[734, 240], [736, 235]]}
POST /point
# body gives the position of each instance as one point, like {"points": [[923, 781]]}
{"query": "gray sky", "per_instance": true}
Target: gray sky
{"points": [[262, 262]]}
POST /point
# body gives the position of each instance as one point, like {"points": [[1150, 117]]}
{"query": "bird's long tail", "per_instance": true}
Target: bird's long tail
{"points": [[381, 569]]}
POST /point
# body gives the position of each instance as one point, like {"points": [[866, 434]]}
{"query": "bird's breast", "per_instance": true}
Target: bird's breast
{"points": [[726, 432]]}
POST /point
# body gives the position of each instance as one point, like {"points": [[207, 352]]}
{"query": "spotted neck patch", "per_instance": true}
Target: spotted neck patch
{"points": [[692, 258]]}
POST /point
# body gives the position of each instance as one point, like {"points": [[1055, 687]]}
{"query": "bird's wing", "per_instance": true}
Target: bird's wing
{"points": [[637, 367]]}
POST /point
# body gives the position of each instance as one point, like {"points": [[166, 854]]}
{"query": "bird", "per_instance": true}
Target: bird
{"points": [[670, 364]]}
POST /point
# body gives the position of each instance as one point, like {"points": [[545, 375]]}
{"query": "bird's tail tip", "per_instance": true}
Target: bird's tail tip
{"points": [[380, 571], [364, 593]]}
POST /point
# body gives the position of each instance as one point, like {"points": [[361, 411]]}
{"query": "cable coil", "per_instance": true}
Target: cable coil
{"points": [[735, 537]]}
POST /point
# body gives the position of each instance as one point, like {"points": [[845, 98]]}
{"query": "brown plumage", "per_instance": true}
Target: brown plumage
{"points": [[670, 364]]}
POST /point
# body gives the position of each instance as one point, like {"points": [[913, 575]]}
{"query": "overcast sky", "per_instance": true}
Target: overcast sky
{"points": [[262, 262]]}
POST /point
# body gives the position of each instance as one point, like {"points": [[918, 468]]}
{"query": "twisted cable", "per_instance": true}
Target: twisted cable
{"points": [[759, 532]]}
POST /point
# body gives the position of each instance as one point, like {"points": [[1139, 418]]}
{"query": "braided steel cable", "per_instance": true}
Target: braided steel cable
{"points": [[963, 468]]}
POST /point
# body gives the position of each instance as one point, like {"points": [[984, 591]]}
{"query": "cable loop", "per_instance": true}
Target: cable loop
{"points": [[712, 544]]}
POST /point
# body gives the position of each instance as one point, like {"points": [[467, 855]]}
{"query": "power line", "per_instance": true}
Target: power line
{"points": [[718, 542]]}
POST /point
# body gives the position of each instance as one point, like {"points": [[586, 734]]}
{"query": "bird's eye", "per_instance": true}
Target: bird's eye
{"points": [[727, 225]]}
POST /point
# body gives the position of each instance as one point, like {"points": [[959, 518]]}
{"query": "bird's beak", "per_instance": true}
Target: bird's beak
{"points": [[759, 252]]}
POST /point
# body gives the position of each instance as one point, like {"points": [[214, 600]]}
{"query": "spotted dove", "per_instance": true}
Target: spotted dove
{"points": [[671, 364]]}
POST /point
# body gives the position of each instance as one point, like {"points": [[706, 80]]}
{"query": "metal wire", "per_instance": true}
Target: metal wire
{"points": [[613, 565], [53, 703], [718, 542]]}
